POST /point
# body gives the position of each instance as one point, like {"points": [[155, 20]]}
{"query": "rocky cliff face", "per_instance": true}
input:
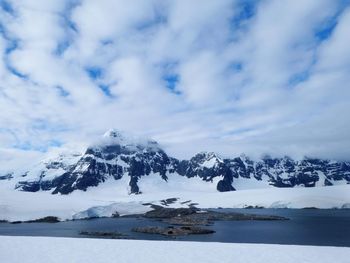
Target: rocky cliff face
{"points": [[118, 156]]}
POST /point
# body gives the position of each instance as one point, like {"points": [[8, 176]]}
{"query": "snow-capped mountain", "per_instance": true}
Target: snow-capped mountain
{"points": [[118, 156], [43, 174]]}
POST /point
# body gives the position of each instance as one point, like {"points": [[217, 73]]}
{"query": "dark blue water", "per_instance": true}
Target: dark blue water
{"points": [[305, 227]]}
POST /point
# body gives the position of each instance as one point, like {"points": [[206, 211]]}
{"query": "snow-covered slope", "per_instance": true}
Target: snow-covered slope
{"points": [[110, 198], [48, 249], [117, 157], [47, 171]]}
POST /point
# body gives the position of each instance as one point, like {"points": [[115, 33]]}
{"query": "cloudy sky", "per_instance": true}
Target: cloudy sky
{"points": [[230, 76]]}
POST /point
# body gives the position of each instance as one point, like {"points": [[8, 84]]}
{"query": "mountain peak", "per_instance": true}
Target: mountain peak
{"points": [[115, 136], [114, 133]]}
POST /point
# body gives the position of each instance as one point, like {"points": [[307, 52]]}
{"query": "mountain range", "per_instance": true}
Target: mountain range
{"points": [[119, 156]]}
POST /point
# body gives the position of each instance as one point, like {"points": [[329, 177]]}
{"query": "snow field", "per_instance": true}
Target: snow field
{"points": [[70, 250]]}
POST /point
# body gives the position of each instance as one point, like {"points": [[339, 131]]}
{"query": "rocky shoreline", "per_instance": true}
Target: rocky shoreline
{"points": [[182, 221], [46, 219], [189, 221], [109, 235], [195, 216], [179, 221], [174, 231]]}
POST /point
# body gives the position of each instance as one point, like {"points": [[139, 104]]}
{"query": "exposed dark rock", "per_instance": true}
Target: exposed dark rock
{"points": [[346, 206], [147, 204], [161, 212], [174, 231], [28, 186], [47, 219], [225, 186], [213, 215], [97, 234], [115, 214], [8, 176], [194, 216], [188, 221], [207, 217], [168, 201], [253, 207]]}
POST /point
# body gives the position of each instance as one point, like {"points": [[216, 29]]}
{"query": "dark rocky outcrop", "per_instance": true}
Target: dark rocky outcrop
{"points": [[161, 212], [174, 231], [8, 176], [189, 220], [195, 216], [98, 234], [46, 219]]}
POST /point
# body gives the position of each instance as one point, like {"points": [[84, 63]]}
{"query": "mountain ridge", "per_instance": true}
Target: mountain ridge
{"points": [[118, 155]]}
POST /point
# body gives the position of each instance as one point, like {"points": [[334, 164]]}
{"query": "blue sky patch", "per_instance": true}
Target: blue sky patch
{"points": [[239, 131], [62, 47], [7, 7], [106, 90], [171, 81], [159, 19], [94, 72], [235, 66], [27, 146], [17, 73], [62, 92], [298, 78], [247, 9], [326, 29], [11, 46]]}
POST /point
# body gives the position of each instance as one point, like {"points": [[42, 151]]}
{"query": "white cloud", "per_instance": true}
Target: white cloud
{"points": [[266, 85], [334, 54]]}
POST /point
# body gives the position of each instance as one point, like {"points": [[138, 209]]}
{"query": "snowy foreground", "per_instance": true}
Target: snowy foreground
{"points": [[16, 205], [44, 249]]}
